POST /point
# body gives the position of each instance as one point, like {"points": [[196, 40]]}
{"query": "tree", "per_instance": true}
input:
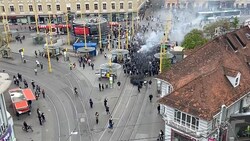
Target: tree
{"points": [[235, 22], [209, 29], [166, 63], [193, 39]]}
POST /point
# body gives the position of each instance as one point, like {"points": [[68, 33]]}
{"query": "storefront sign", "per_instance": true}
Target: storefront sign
{"points": [[7, 135]]}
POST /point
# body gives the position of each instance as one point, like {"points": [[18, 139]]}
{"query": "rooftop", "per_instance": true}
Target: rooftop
{"points": [[4, 82], [199, 81]]}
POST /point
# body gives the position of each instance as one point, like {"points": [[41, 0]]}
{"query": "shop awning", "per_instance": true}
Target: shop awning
{"points": [[114, 23], [81, 30], [28, 94], [63, 26], [47, 26], [21, 105]]}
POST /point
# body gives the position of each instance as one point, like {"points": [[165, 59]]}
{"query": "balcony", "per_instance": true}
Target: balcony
{"points": [[182, 128]]}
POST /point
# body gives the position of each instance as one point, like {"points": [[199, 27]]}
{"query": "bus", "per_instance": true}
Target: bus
{"points": [[214, 15]]}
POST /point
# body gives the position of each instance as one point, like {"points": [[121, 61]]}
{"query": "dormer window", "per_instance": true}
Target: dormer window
{"points": [[233, 76], [237, 81]]}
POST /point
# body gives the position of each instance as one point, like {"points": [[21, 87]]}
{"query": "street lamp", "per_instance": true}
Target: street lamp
{"points": [[36, 17], [99, 25], [164, 40], [127, 31], [6, 29], [67, 26]]}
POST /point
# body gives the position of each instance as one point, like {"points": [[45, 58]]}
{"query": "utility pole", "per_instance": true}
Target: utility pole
{"points": [[36, 17], [99, 26]]}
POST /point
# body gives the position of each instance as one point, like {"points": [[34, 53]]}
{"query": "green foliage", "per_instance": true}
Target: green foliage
{"points": [[166, 63], [193, 39], [210, 28], [235, 22]]}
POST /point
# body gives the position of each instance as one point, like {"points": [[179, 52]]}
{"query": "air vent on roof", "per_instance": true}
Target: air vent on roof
{"points": [[239, 40], [248, 36], [231, 45]]}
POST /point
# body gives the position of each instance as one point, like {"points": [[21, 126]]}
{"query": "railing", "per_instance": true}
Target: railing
{"points": [[189, 131]]}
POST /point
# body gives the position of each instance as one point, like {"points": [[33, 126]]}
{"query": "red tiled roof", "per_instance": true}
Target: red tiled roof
{"points": [[199, 81]]}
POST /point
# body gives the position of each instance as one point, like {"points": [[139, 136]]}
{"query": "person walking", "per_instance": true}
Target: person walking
{"points": [[161, 135], [33, 84], [40, 120], [150, 82], [35, 53], [119, 84], [100, 87], [91, 103], [139, 87], [83, 66], [105, 55], [150, 97], [92, 66], [107, 110], [41, 65], [111, 123], [25, 126], [105, 102], [43, 117], [35, 70], [38, 112], [43, 93], [96, 117], [159, 108]]}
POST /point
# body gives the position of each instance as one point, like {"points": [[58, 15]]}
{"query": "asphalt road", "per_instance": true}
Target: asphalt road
{"points": [[69, 117]]}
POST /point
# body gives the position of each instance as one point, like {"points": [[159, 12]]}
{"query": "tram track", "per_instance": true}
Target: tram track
{"points": [[54, 94], [48, 97]]}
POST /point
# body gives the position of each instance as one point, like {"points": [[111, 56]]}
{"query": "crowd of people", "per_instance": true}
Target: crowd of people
{"points": [[37, 91]]}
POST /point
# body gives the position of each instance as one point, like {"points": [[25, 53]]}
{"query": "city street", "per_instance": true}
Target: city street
{"points": [[69, 116]]}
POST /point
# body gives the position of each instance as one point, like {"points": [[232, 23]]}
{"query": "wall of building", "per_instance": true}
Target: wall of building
{"points": [[65, 5], [6, 125]]}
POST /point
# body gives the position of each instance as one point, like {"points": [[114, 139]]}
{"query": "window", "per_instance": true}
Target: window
{"points": [[113, 6], [195, 123], [31, 8], [21, 8], [121, 5], [186, 120], [49, 7], [130, 6], [177, 116], [12, 9], [40, 8], [183, 118], [68, 9], [87, 6], [104, 6], [96, 6], [58, 7], [78, 7], [236, 81]]}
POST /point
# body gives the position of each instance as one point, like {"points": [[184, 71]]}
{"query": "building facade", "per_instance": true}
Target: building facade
{"points": [[208, 4], [23, 11], [200, 94], [6, 121]]}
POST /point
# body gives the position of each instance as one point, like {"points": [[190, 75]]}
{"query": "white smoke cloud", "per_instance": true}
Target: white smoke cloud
{"points": [[152, 40]]}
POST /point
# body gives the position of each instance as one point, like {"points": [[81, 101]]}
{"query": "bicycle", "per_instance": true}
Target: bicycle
{"points": [[28, 128]]}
